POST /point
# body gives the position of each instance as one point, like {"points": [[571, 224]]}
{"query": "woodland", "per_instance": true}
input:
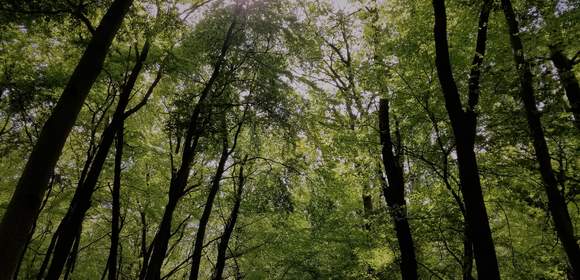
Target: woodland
{"points": [[289, 139]]}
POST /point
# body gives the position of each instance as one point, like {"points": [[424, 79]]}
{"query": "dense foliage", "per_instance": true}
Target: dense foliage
{"points": [[299, 139]]}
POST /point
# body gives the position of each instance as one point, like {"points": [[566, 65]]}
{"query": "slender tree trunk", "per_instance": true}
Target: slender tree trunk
{"points": [[116, 207], [144, 249], [395, 195], [367, 200], [467, 254], [82, 199], [204, 220], [154, 259], [464, 124], [46, 197], [152, 269], [467, 260], [568, 79], [229, 229], [72, 258], [24, 205], [556, 202]]}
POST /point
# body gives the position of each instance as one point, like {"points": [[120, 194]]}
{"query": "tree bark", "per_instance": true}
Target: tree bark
{"points": [[204, 220], [230, 226], [81, 201], [24, 205], [395, 195], [556, 202], [568, 79], [467, 254], [464, 125], [21, 260], [116, 207], [152, 269]]}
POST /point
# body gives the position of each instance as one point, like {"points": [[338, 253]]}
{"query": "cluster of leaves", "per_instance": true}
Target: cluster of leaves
{"points": [[303, 79]]}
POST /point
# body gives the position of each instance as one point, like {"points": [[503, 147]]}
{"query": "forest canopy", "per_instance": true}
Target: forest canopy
{"points": [[289, 139]]}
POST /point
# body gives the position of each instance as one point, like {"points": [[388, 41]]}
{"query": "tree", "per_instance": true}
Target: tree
{"points": [[395, 194], [152, 269], [69, 229], [207, 209], [464, 127], [568, 79], [557, 203], [297, 139], [230, 225], [25, 203]]}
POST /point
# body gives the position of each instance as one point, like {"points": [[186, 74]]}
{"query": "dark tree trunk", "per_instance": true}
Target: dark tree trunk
{"points": [[144, 250], [153, 260], [464, 124], [204, 220], [152, 269], [47, 196], [367, 200], [72, 258], [82, 199], [556, 202], [467, 260], [24, 205], [116, 207], [229, 229], [215, 185], [467, 254], [395, 195], [568, 79]]}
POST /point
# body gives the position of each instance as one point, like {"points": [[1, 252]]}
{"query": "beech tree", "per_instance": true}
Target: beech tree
{"points": [[25, 203], [301, 139]]}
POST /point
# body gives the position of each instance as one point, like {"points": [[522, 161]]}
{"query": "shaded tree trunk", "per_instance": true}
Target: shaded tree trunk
{"points": [[24, 205], [152, 269], [116, 207], [367, 200], [467, 259], [230, 226], [464, 125], [47, 196], [144, 250], [81, 201], [467, 254], [204, 220], [556, 201], [395, 195], [72, 258], [568, 79]]}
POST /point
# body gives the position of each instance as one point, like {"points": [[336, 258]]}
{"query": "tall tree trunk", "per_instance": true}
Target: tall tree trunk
{"points": [[395, 195], [46, 197], [204, 220], [467, 254], [82, 199], [367, 200], [556, 202], [568, 79], [152, 269], [24, 205], [116, 206], [464, 125], [467, 260], [229, 229], [144, 250], [72, 258]]}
